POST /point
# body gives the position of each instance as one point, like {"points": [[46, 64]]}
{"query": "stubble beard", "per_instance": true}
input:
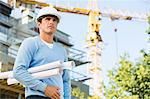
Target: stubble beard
{"points": [[50, 33]]}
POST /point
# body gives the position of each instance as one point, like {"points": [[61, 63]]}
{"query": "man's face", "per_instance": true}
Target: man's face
{"points": [[48, 25]]}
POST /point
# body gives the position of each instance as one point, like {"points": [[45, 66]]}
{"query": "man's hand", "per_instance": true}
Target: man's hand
{"points": [[52, 92]]}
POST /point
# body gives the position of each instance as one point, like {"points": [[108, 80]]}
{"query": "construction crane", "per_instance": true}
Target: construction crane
{"points": [[113, 14], [93, 38]]}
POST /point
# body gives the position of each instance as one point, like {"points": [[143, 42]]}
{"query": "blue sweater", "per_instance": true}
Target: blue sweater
{"points": [[33, 52]]}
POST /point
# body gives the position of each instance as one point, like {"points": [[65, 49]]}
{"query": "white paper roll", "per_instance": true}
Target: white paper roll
{"points": [[48, 66], [4, 75], [52, 65], [38, 75], [57, 64], [68, 65]]}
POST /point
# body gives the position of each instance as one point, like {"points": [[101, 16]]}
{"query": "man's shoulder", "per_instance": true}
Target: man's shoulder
{"points": [[30, 40]]}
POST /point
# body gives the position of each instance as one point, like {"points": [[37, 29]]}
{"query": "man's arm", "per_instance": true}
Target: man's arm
{"points": [[24, 57], [66, 84], [66, 80]]}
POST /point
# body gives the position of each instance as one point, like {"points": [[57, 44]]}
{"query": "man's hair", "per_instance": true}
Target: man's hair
{"points": [[41, 17]]}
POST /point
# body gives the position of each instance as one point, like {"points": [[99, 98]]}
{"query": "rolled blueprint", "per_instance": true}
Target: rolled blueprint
{"points": [[48, 66], [57, 64], [37, 75], [52, 65], [5, 75], [68, 65]]}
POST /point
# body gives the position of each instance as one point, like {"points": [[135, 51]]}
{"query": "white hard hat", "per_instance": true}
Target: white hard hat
{"points": [[48, 11]]}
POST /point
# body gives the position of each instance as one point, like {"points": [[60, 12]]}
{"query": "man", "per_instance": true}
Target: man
{"points": [[39, 50]]}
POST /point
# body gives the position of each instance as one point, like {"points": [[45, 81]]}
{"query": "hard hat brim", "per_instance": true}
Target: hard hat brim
{"points": [[43, 16], [38, 17]]}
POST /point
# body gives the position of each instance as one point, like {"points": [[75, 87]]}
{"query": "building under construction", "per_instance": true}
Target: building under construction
{"points": [[12, 32]]}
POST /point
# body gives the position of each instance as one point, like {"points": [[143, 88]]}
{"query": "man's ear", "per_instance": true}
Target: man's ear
{"points": [[38, 24]]}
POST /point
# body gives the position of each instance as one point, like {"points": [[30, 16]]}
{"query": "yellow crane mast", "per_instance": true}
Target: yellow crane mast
{"points": [[94, 42]]}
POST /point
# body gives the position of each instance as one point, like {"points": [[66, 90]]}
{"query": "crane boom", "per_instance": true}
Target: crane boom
{"points": [[113, 14]]}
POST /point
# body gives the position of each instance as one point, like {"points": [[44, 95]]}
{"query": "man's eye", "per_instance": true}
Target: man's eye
{"points": [[54, 19], [48, 19]]}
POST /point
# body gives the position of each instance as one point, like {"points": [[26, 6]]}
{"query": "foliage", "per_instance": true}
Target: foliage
{"points": [[130, 80], [76, 92], [94, 97]]}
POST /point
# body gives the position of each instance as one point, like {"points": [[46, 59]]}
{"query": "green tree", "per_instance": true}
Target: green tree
{"points": [[76, 92], [130, 80]]}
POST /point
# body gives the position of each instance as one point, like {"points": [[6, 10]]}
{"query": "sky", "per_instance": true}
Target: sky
{"points": [[129, 38]]}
